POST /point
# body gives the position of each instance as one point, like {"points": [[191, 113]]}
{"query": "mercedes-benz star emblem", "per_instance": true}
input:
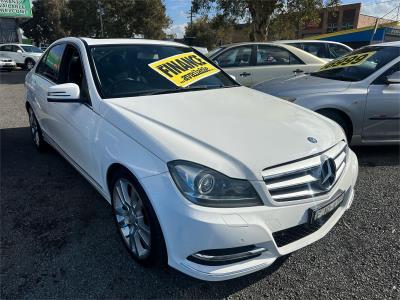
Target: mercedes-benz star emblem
{"points": [[312, 140], [327, 173]]}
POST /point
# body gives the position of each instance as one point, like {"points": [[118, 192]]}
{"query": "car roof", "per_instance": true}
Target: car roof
{"points": [[307, 41], [92, 42], [388, 44], [246, 43], [16, 44]]}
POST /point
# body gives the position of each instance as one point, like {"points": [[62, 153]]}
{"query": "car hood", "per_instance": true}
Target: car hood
{"points": [[301, 85], [237, 131]]}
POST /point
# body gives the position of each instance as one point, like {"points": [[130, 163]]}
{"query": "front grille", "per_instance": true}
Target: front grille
{"points": [[302, 179], [5, 60]]}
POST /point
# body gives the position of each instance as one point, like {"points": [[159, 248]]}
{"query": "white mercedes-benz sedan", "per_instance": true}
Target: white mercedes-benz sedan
{"points": [[213, 178]]}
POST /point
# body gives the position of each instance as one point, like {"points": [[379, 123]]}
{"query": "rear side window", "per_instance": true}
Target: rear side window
{"points": [[49, 66], [235, 57], [336, 51], [317, 49], [271, 55]]}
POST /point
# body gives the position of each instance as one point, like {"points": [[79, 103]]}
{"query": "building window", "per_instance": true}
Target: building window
{"points": [[332, 27], [347, 26]]}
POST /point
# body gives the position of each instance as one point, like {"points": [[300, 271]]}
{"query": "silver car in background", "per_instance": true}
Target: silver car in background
{"points": [[360, 91], [251, 63], [326, 50]]}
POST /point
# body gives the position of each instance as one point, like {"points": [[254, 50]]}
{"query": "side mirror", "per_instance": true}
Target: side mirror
{"points": [[394, 78], [233, 77], [64, 93], [19, 51]]}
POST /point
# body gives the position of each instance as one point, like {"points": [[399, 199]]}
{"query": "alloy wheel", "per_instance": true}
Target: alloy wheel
{"points": [[132, 218], [30, 64]]}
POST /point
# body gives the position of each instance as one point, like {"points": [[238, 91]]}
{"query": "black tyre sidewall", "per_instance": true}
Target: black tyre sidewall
{"points": [[26, 64], [42, 144], [158, 252], [340, 121]]}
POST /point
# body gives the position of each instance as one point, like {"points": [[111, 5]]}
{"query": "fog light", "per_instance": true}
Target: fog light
{"points": [[218, 257]]}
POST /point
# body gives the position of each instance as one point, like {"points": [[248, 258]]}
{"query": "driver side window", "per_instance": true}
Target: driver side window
{"points": [[235, 57], [72, 71], [382, 79]]}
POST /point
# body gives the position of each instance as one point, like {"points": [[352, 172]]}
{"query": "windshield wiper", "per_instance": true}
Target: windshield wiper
{"points": [[334, 77], [181, 89]]}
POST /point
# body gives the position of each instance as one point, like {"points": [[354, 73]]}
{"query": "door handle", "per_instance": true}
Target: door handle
{"points": [[244, 74], [298, 71]]}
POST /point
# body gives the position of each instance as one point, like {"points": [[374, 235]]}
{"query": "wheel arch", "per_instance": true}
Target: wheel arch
{"points": [[340, 112], [118, 167]]}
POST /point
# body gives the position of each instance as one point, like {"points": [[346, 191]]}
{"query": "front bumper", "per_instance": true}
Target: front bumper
{"points": [[189, 228], [8, 66]]}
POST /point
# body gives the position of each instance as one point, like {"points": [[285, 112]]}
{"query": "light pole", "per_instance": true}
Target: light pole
{"points": [[100, 11]]}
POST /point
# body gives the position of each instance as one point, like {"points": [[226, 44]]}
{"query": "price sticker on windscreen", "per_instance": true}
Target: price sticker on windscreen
{"points": [[184, 69], [348, 61]]}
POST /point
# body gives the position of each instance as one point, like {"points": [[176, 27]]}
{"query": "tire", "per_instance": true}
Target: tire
{"points": [[134, 215], [36, 131], [29, 64], [339, 119]]}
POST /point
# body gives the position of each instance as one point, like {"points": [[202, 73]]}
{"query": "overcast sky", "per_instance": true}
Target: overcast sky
{"points": [[178, 10]]}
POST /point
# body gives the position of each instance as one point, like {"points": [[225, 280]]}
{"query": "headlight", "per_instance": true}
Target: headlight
{"points": [[288, 98], [207, 187]]}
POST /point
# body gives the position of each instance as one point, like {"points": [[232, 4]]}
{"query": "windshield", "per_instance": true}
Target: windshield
{"points": [[358, 64], [32, 49], [137, 70]]}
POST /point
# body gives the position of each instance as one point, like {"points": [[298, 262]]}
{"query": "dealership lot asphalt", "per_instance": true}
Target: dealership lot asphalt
{"points": [[58, 238]]}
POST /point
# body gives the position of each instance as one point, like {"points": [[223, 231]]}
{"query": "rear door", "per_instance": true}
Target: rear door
{"points": [[275, 61], [237, 61], [382, 113]]}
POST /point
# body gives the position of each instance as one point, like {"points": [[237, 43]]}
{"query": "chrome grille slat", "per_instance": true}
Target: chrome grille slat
{"points": [[301, 179]]}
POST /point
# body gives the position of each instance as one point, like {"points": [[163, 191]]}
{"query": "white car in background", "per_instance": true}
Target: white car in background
{"points": [[360, 91], [326, 50], [7, 64], [251, 63], [216, 179], [24, 55]]}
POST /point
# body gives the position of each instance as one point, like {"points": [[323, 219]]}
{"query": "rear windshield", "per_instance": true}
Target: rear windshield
{"points": [[367, 60], [134, 70]]}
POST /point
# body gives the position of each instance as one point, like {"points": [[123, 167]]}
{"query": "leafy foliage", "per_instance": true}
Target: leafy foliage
{"points": [[286, 15], [53, 19]]}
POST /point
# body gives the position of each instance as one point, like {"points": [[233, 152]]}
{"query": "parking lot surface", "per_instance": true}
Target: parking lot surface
{"points": [[58, 238]]}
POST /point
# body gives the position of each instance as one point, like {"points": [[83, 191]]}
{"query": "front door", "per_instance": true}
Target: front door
{"points": [[74, 125], [382, 114], [237, 61]]}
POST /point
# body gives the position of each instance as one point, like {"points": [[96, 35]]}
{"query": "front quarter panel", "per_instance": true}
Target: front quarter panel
{"points": [[118, 148], [351, 102]]}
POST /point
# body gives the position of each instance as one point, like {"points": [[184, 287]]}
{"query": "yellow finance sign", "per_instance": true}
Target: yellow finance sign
{"points": [[348, 61], [184, 69]]}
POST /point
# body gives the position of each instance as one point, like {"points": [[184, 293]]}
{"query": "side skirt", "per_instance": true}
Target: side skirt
{"points": [[93, 182]]}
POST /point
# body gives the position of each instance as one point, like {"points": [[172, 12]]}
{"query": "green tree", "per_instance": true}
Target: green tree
{"points": [[45, 26], [123, 19], [260, 13], [205, 32]]}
